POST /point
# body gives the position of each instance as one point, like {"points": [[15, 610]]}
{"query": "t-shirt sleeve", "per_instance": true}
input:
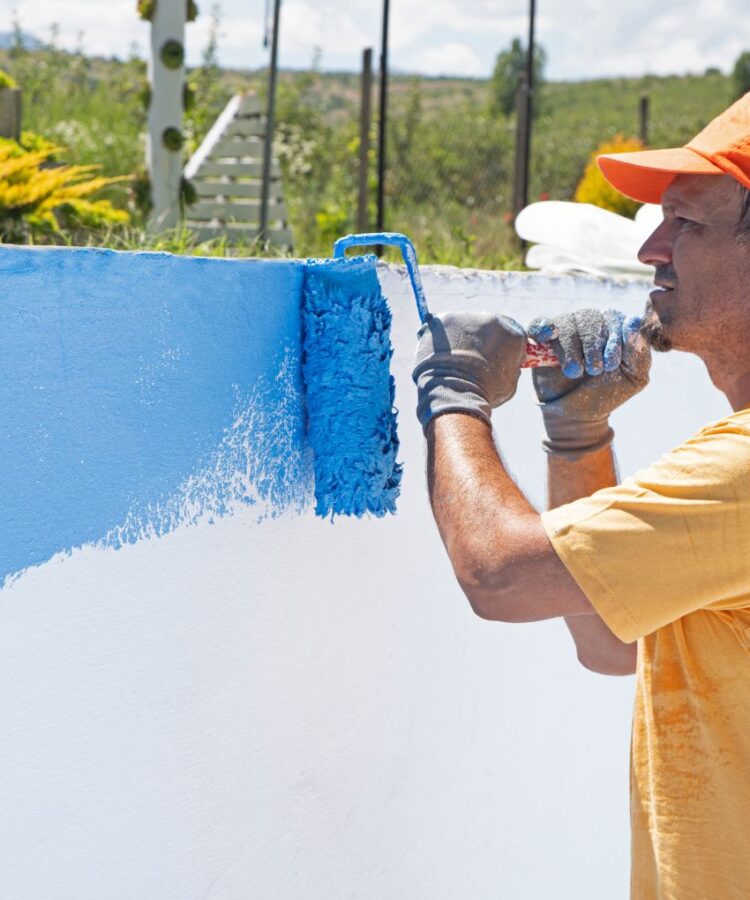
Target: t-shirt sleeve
{"points": [[673, 539]]}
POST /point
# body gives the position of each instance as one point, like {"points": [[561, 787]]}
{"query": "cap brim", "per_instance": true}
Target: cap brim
{"points": [[645, 174]]}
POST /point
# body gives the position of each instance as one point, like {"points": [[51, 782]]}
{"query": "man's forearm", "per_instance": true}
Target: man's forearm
{"points": [[569, 480], [495, 539], [476, 504]]}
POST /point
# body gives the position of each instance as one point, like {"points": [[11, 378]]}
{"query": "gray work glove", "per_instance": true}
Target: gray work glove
{"points": [[467, 362], [604, 361]]}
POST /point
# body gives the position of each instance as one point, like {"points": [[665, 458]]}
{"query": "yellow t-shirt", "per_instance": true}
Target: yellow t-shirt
{"points": [[664, 558]]}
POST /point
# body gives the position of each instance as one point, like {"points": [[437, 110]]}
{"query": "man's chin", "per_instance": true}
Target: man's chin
{"points": [[652, 331]]}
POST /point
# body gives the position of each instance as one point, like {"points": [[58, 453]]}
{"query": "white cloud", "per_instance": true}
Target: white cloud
{"points": [[449, 59], [237, 39], [584, 38], [327, 26], [104, 35]]}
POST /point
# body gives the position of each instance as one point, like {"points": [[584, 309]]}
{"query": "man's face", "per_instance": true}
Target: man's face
{"points": [[702, 301]]}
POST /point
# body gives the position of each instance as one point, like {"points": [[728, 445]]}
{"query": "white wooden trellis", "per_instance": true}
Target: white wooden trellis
{"points": [[165, 113], [226, 172]]}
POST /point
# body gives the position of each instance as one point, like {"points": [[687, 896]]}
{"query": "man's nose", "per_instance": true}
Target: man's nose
{"points": [[657, 248]]}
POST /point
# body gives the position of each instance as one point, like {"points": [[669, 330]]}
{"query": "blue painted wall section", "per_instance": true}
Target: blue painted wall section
{"points": [[140, 391]]}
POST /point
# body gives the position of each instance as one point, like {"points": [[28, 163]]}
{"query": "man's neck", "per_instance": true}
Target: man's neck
{"points": [[735, 387]]}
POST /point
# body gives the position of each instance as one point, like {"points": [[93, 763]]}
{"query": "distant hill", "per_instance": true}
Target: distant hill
{"points": [[8, 39]]}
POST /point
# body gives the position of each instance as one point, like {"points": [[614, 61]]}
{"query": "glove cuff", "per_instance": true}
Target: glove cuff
{"points": [[439, 394], [574, 438]]}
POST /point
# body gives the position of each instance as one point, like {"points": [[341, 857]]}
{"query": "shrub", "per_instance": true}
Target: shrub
{"points": [[6, 81], [33, 142], [36, 200], [594, 187]]}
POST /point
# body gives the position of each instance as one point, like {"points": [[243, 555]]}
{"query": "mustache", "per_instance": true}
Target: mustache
{"points": [[665, 274]]}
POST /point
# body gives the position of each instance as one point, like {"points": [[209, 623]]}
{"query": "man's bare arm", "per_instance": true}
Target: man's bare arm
{"points": [[499, 549], [567, 480]]}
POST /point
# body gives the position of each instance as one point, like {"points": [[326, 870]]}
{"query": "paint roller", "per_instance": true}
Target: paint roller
{"points": [[349, 390]]}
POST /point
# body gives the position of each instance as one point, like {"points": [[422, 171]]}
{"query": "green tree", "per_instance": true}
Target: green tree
{"points": [[509, 65], [741, 75]]}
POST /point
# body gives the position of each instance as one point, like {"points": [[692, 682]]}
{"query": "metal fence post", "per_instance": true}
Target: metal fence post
{"points": [[363, 219], [520, 173], [10, 113], [270, 115], [643, 114], [382, 125]]}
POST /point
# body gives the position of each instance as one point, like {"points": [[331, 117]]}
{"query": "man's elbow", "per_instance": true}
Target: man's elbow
{"points": [[623, 663], [494, 574], [491, 592]]}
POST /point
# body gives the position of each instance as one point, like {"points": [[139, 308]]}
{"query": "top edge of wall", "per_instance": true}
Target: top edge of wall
{"points": [[449, 273], [160, 254]]}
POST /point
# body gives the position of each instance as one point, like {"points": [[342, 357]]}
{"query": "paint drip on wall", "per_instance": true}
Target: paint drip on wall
{"points": [[262, 461]]}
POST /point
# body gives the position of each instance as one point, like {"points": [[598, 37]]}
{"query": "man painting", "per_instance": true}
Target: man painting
{"points": [[652, 575]]}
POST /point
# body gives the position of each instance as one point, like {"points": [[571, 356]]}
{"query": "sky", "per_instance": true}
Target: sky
{"points": [[583, 38]]}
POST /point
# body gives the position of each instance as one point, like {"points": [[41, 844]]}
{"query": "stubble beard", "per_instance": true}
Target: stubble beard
{"points": [[652, 331]]}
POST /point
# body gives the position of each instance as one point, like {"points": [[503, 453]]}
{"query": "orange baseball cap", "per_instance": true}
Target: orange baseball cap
{"points": [[722, 148]]}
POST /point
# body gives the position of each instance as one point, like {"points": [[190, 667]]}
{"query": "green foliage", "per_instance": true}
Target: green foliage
{"points": [[6, 81], [188, 96], [173, 139], [179, 240], [91, 107], [741, 75], [145, 95], [318, 166], [172, 54], [332, 222], [188, 193], [141, 199], [510, 64], [35, 143], [146, 9]]}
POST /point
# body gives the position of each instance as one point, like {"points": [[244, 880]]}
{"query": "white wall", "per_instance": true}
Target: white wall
{"points": [[299, 709]]}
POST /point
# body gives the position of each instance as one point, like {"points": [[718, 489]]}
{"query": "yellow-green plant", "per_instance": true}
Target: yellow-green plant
{"points": [[594, 187], [32, 141], [38, 198], [6, 81]]}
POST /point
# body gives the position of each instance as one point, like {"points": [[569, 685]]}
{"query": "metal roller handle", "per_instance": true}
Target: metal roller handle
{"points": [[536, 354]]}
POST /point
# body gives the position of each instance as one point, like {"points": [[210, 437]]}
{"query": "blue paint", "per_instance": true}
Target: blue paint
{"points": [[612, 355], [142, 390], [543, 331], [350, 392], [572, 369], [631, 327]]}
